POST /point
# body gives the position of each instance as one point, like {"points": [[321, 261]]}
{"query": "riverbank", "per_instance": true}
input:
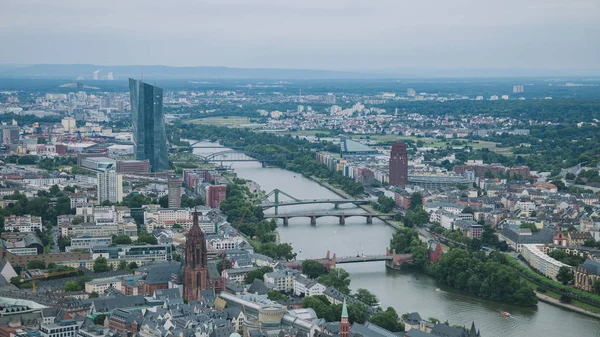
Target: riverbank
{"points": [[558, 303]]}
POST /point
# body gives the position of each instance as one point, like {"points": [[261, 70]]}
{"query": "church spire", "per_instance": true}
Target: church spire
{"points": [[344, 324]]}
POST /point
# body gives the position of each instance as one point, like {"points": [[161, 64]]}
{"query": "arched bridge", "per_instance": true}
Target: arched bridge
{"points": [[234, 155], [267, 203], [392, 260], [340, 215]]}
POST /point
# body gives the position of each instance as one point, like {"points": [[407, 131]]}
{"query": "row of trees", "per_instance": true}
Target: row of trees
{"points": [[553, 285]]}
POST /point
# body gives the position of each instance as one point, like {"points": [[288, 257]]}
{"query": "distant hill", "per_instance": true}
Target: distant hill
{"points": [[71, 71]]}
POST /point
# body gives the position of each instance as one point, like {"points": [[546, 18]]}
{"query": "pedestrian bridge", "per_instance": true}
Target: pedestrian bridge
{"points": [[392, 260]]}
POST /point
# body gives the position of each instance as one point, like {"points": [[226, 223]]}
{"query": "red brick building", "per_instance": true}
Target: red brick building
{"points": [[215, 195]]}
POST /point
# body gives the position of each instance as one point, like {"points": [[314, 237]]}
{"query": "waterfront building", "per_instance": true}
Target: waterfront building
{"points": [[587, 274], [195, 272], [398, 165], [148, 122], [215, 195], [541, 262]]}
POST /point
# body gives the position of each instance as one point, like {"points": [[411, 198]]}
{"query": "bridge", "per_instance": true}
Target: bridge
{"points": [[266, 204], [340, 215], [392, 260], [234, 155]]}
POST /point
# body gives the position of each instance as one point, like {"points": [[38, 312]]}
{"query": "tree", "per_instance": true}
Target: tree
{"points": [[275, 295], [72, 286], [337, 278], [121, 239], [94, 294], [388, 319], [122, 265], [565, 275], [366, 297], [36, 264], [63, 241], [416, 201], [596, 286], [469, 210], [101, 265], [357, 312], [589, 242], [99, 320], [257, 274], [133, 265], [313, 269], [146, 238]]}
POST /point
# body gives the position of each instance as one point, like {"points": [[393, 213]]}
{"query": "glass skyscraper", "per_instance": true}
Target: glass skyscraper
{"points": [[148, 121]]}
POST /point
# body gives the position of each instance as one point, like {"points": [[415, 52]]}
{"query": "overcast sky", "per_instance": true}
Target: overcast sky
{"points": [[317, 34]]}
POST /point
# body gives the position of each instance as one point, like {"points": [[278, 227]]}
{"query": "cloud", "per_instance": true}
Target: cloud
{"points": [[336, 34]]}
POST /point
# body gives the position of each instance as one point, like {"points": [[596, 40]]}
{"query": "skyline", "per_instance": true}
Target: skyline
{"points": [[330, 35]]}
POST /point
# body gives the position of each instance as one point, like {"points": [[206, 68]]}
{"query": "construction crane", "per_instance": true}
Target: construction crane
{"points": [[43, 276], [241, 220]]}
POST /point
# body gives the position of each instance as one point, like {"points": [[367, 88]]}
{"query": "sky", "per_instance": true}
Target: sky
{"points": [[312, 34]]}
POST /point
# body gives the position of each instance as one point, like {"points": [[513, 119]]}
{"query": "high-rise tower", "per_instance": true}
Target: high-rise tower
{"points": [[195, 270], [148, 121], [398, 165]]}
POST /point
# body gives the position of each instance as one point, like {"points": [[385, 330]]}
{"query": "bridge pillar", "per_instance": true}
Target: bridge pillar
{"points": [[369, 219], [276, 210], [313, 220], [336, 206], [342, 219], [286, 221], [264, 163]]}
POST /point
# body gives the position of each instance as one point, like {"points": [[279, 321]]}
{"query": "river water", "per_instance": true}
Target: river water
{"points": [[405, 291]]}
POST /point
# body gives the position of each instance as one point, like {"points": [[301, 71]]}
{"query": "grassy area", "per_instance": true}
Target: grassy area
{"points": [[230, 122]]}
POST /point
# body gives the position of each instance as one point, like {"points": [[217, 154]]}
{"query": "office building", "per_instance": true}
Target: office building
{"points": [[518, 88], [148, 121], [98, 164], [133, 166], [411, 92], [68, 124], [10, 134], [66, 328], [398, 165], [330, 98], [174, 186], [110, 187]]}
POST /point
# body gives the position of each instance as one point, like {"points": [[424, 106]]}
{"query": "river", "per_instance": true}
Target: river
{"points": [[405, 291]]}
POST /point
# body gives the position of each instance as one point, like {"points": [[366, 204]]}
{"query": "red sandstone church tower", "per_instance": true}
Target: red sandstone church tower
{"points": [[398, 165], [344, 324], [195, 271]]}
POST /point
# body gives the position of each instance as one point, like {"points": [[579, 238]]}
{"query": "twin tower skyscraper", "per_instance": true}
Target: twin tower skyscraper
{"points": [[148, 123]]}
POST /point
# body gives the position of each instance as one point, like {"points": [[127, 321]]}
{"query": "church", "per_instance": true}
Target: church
{"points": [[198, 273]]}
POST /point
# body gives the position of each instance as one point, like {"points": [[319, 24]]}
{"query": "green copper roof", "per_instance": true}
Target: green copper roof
{"points": [[344, 309]]}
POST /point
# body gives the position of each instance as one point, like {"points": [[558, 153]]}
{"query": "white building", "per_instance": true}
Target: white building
{"points": [[25, 223], [110, 186], [68, 328], [283, 280], [100, 285], [541, 261], [307, 287], [69, 124]]}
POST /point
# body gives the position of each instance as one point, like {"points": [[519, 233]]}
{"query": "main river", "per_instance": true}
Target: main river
{"points": [[406, 291]]}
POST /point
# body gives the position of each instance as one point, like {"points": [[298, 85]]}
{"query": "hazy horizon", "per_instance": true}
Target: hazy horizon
{"points": [[343, 35]]}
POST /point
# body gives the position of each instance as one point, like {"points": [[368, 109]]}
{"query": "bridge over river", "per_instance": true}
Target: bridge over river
{"points": [[392, 260], [340, 215]]}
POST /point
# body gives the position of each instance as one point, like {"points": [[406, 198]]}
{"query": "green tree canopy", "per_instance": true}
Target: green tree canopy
{"points": [[313, 269]]}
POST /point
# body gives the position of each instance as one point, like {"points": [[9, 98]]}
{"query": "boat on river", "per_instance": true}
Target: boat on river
{"points": [[505, 313]]}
